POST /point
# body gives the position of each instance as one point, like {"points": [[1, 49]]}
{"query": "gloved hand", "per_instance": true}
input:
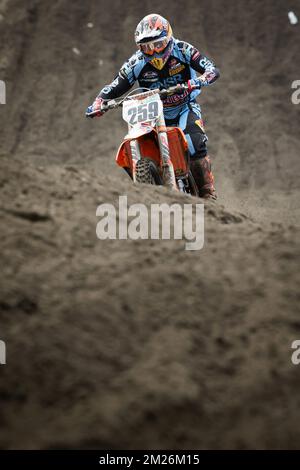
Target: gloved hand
{"points": [[95, 109], [195, 84]]}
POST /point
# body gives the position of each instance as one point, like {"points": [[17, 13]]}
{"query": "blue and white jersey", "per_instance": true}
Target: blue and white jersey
{"points": [[185, 63]]}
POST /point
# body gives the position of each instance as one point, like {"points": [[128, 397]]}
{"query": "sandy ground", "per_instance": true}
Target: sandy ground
{"points": [[141, 344]]}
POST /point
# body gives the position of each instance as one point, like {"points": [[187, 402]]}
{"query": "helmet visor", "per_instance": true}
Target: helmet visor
{"points": [[149, 48]]}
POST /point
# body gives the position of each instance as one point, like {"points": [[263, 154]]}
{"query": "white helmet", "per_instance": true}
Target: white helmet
{"points": [[154, 37]]}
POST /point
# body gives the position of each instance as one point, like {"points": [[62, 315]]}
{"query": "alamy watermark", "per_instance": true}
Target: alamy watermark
{"points": [[136, 222], [296, 94], [296, 354], [2, 92], [2, 353]]}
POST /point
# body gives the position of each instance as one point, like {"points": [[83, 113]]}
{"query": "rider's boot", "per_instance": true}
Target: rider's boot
{"points": [[201, 170]]}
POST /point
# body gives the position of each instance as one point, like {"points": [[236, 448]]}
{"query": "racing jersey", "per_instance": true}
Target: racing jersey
{"points": [[184, 63]]}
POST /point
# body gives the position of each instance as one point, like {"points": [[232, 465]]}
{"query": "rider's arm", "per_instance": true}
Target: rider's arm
{"points": [[121, 84], [209, 72], [125, 79], [200, 63], [117, 88]]}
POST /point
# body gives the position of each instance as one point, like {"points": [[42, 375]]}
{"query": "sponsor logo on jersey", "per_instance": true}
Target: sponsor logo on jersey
{"points": [[175, 67], [175, 100], [167, 82], [206, 64], [173, 62], [150, 76], [110, 87]]}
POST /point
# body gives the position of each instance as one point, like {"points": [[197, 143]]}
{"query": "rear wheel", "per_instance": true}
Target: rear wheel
{"points": [[188, 185], [147, 172]]}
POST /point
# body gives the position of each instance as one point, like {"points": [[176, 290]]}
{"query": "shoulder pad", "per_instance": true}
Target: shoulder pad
{"points": [[132, 67], [184, 49]]}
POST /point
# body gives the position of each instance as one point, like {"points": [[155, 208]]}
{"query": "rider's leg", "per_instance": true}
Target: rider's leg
{"points": [[191, 123]]}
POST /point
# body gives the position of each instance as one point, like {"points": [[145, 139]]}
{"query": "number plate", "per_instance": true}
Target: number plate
{"points": [[141, 111]]}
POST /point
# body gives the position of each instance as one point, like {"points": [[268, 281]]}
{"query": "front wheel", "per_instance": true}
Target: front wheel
{"points": [[147, 172]]}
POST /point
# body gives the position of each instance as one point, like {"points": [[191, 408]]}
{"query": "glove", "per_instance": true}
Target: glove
{"points": [[195, 84], [95, 109]]}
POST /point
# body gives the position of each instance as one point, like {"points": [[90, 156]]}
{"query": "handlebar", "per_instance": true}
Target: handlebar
{"points": [[180, 89]]}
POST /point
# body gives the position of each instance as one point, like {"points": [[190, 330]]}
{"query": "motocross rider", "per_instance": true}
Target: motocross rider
{"points": [[163, 61]]}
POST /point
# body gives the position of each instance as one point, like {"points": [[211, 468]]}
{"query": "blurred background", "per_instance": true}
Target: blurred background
{"points": [[141, 344]]}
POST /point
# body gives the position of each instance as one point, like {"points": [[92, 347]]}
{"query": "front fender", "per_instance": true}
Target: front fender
{"points": [[138, 131]]}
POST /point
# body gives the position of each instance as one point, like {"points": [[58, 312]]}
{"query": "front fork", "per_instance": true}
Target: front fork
{"points": [[167, 165], [135, 156]]}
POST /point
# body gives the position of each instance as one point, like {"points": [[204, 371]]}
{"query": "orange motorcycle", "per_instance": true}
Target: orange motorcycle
{"points": [[151, 152]]}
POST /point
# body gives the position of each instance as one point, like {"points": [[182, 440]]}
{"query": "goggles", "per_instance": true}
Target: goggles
{"points": [[157, 46]]}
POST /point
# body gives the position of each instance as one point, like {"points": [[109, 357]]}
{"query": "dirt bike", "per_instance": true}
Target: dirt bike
{"points": [[151, 152]]}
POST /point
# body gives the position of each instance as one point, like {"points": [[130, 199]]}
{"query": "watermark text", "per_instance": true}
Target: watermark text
{"points": [[2, 353], [296, 94], [160, 222], [2, 92], [296, 354]]}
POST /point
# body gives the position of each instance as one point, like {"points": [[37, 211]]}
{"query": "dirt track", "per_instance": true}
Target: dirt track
{"points": [[140, 344]]}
